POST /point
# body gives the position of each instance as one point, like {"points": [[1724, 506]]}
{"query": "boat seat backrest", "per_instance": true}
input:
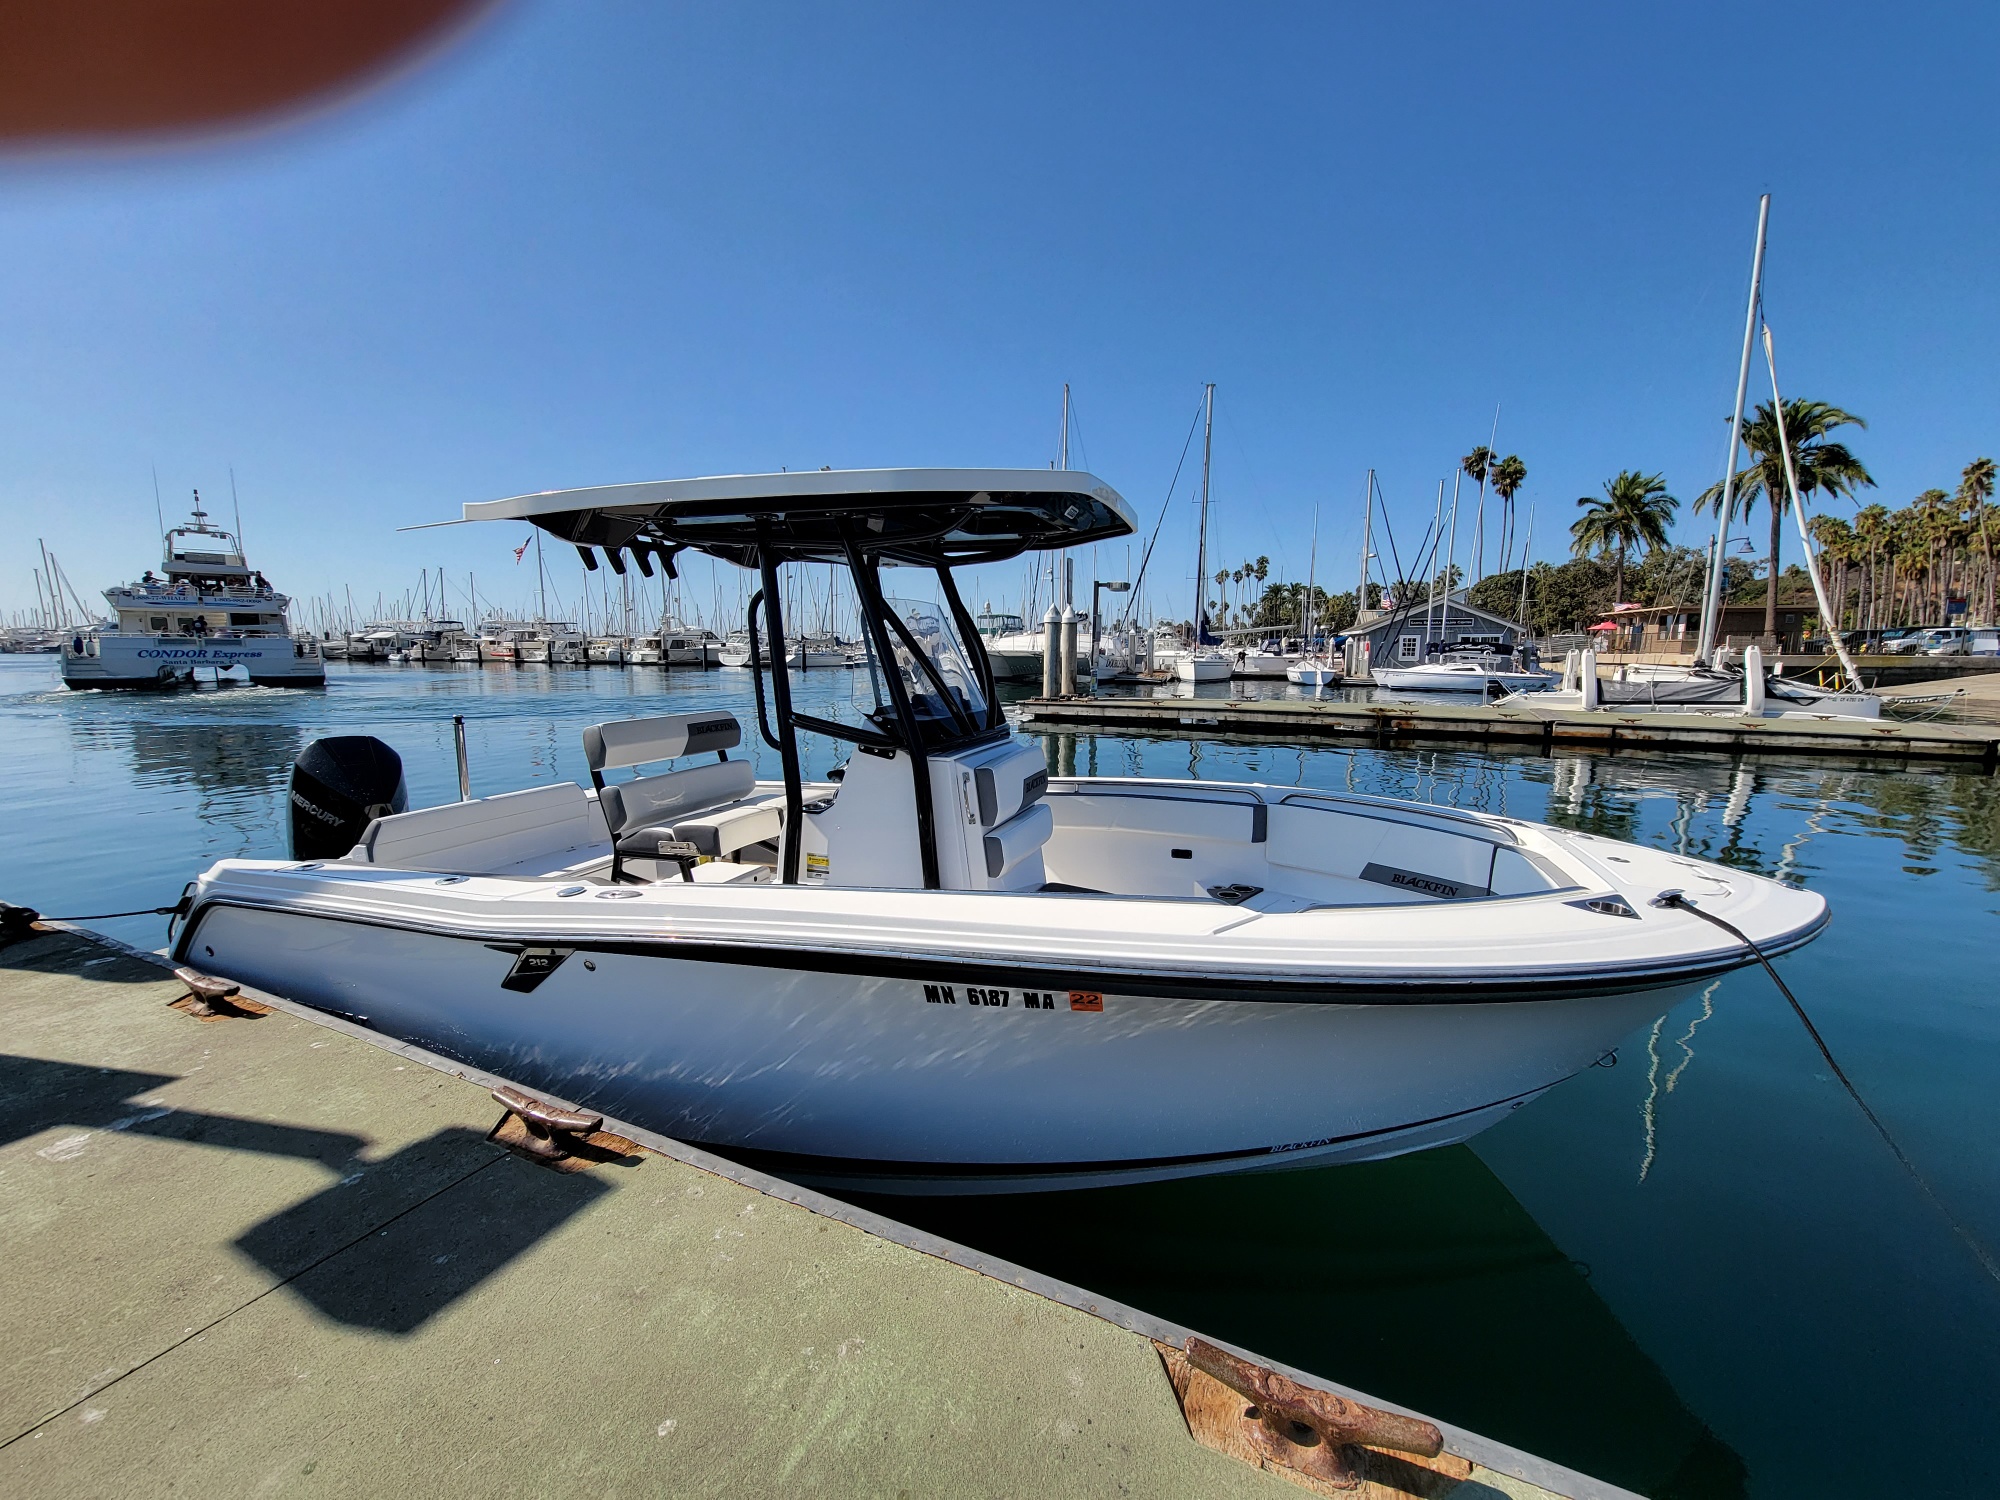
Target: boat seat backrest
{"points": [[545, 826], [620, 743], [1400, 855], [647, 801]]}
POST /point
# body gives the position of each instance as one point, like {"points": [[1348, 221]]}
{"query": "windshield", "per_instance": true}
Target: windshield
{"points": [[930, 627]]}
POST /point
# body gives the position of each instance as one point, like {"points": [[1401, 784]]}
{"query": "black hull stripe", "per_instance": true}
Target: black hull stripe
{"points": [[1368, 989]]}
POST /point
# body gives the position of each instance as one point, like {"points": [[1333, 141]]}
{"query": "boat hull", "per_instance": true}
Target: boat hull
{"points": [[871, 1076], [1417, 679], [112, 660]]}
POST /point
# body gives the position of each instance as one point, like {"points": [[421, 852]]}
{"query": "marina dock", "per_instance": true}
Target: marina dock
{"points": [[267, 1251], [1518, 726]]}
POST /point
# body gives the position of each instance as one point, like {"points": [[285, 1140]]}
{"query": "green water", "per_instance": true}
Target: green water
{"points": [[1696, 1273]]}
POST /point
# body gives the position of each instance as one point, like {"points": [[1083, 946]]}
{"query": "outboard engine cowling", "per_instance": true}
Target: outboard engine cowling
{"points": [[339, 786]]}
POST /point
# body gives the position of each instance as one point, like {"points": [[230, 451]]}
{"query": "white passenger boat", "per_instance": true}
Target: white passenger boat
{"points": [[210, 612], [944, 971], [1204, 664]]}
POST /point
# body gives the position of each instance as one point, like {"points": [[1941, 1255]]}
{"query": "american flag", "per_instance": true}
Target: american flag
{"points": [[521, 550]]}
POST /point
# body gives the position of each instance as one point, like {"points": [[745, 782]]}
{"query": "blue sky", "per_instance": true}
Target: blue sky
{"points": [[625, 241]]}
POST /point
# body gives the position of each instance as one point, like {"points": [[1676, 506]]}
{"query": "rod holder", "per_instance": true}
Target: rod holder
{"points": [[464, 766]]}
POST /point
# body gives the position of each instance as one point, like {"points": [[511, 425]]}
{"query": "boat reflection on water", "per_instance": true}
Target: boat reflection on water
{"points": [[1420, 1279]]}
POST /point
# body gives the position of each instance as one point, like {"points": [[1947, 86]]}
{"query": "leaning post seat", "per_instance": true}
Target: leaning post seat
{"points": [[678, 815]]}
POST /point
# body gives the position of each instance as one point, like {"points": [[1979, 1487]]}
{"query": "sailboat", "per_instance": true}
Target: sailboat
{"points": [[1201, 662], [1313, 670]]}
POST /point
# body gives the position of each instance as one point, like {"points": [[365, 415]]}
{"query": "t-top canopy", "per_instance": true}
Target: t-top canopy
{"points": [[922, 516]]}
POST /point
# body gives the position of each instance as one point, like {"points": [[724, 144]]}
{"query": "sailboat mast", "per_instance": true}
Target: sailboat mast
{"points": [[1711, 606], [1201, 534], [1528, 542], [1829, 623], [1312, 562], [542, 577], [1367, 545]]}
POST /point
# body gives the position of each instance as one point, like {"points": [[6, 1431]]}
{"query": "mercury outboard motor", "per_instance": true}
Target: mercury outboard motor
{"points": [[340, 786]]}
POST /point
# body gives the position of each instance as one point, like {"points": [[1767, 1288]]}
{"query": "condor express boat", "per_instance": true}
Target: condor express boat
{"points": [[940, 969]]}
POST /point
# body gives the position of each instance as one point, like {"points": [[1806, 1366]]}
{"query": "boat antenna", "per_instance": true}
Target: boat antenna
{"points": [[1829, 623], [1712, 600], [236, 506], [158, 510]]}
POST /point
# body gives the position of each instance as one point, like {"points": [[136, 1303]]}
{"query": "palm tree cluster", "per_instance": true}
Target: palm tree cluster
{"points": [[1252, 572], [1908, 566], [1483, 466], [1821, 465]]}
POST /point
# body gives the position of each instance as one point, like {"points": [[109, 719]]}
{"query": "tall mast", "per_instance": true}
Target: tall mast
{"points": [[1367, 542], [1312, 562], [542, 579], [1062, 448], [1712, 601], [1430, 585], [1201, 536]]}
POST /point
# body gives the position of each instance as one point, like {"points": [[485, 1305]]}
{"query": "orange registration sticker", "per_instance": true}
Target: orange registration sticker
{"points": [[1085, 1000]]}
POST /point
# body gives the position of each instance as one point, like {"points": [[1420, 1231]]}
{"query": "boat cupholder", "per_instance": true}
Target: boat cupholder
{"points": [[315, 865], [616, 895], [454, 879], [572, 890]]}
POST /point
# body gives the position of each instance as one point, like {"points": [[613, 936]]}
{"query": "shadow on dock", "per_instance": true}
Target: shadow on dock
{"points": [[389, 1282]]}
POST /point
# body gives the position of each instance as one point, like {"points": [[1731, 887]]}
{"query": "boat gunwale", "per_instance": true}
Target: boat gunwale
{"points": [[1461, 987]]}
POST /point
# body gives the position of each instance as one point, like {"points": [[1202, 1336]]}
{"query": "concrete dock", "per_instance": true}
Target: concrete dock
{"points": [[1517, 725], [277, 1254]]}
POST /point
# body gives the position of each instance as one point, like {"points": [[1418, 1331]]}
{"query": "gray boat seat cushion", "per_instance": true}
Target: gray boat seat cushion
{"points": [[674, 795], [620, 743]]}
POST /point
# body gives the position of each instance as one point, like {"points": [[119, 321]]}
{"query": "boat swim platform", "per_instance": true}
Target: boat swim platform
{"points": [[1514, 726], [268, 1251]]}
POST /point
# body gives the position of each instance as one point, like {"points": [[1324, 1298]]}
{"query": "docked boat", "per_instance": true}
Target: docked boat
{"points": [[1013, 650], [1313, 672], [1745, 689], [1465, 674], [608, 650], [1204, 661], [689, 646], [209, 612], [1203, 664], [944, 970], [735, 651]]}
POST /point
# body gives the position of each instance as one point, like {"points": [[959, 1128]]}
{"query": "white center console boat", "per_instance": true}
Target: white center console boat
{"points": [[941, 970]]}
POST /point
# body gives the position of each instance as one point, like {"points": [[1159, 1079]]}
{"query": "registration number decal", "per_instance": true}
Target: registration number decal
{"points": [[985, 996]]}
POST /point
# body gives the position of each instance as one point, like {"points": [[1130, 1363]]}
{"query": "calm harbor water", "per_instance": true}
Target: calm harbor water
{"points": [[1696, 1273]]}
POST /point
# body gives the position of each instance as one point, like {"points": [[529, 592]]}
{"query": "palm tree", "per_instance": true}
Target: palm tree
{"points": [[1823, 467], [1508, 475], [1476, 465], [1975, 488], [1635, 512]]}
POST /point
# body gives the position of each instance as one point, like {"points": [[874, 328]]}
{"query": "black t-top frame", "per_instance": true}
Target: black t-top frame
{"points": [[864, 521]]}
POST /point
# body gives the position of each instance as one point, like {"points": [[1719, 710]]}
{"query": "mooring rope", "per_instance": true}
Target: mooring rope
{"points": [[1676, 901]]}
